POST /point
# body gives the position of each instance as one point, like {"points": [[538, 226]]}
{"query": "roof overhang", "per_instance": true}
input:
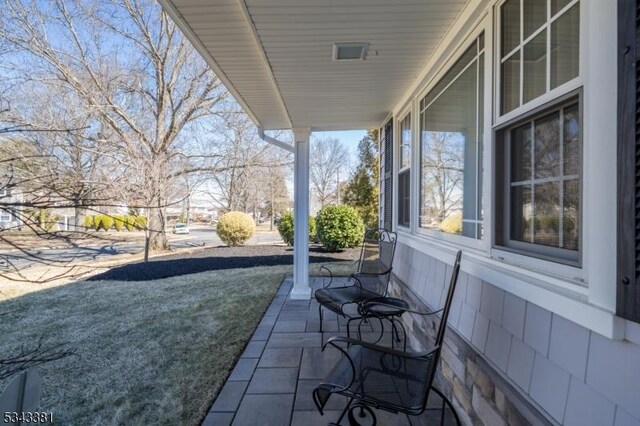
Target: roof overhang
{"points": [[277, 56]]}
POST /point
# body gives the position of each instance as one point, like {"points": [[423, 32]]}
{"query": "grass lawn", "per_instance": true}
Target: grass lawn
{"points": [[148, 352]]}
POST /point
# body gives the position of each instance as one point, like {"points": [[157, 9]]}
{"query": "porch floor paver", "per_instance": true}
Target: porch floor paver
{"points": [[272, 382]]}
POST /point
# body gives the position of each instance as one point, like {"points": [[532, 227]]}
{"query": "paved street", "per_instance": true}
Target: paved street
{"points": [[200, 236]]}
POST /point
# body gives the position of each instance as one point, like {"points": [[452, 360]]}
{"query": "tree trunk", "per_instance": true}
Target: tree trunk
{"points": [[157, 235], [78, 217], [157, 220]]}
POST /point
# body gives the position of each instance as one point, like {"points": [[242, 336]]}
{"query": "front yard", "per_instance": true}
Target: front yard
{"points": [[148, 352]]}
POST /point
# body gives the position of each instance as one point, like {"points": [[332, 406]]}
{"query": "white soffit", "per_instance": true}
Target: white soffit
{"points": [[276, 56]]}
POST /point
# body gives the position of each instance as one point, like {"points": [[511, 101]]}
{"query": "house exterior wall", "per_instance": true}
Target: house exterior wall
{"points": [[508, 361], [532, 341]]}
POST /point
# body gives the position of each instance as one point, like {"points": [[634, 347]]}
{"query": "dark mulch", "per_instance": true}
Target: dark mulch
{"points": [[217, 258]]}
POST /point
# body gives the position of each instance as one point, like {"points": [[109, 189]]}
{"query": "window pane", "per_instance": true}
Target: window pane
{"points": [[404, 198], [535, 15], [565, 46], [405, 142], [521, 153], [480, 133], [547, 146], [510, 26], [535, 67], [510, 83], [557, 5], [571, 214], [448, 139], [521, 213], [467, 57], [546, 210], [571, 142]]}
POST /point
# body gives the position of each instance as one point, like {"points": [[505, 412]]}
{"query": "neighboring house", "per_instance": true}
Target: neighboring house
{"points": [[10, 217], [508, 130]]}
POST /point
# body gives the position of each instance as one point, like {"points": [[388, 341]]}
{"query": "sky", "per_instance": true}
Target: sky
{"points": [[349, 139]]}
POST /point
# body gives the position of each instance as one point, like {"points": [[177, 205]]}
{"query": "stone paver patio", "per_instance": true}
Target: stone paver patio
{"points": [[272, 382]]}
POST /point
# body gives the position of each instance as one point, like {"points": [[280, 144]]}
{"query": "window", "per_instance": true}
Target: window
{"points": [[404, 173], [5, 216], [539, 183], [451, 117], [539, 48]]}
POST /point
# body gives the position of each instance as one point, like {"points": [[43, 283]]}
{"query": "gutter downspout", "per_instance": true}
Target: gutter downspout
{"points": [[275, 142]]}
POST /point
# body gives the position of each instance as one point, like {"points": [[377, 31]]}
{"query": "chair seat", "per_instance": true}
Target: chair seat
{"points": [[335, 298], [382, 380]]}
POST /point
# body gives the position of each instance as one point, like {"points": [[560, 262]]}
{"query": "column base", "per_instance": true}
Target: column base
{"points": [[300, 293]]}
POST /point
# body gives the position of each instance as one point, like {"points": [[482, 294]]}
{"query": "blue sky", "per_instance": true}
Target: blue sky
{"points": [[349, 139]]}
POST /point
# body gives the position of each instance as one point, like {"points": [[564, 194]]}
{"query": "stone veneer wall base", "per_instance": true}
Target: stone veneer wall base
{"points": [[479, 393]]}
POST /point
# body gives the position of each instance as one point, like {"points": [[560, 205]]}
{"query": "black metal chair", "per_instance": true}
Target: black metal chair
{"points": [[373, 376], [371, 279]]}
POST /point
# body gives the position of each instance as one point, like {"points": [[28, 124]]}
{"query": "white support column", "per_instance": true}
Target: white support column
{"points": [[301, 288]]}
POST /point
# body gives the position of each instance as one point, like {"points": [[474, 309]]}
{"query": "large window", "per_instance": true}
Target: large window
{"points": [[451, 117], [539, 183], [404, 173], [539, 48]]}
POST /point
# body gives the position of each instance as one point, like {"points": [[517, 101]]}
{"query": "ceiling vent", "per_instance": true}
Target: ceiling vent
{"points": [[350, 51]]}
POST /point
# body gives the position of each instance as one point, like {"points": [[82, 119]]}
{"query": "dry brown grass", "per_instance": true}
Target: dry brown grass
{"points": [[152, 352]]}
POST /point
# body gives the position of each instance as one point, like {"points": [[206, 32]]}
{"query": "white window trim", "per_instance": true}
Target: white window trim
{"points": [[558, 288], [577, 274], [549, 95], [396, 167], [475, 243]]}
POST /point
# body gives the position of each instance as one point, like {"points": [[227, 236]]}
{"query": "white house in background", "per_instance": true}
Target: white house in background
{"points": [[508, 130], [10, 217]]}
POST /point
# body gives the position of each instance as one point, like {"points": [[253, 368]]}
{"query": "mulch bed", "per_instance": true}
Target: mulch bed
{"points": [[217, 258]]}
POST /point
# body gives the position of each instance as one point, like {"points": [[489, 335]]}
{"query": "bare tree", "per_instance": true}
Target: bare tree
{"points": [[245, 164], [129, 65], [442, 175], [329, 158]]}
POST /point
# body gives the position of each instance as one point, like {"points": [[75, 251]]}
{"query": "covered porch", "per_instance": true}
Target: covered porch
{"points": [[306, 66], [273, 380], [518, 105]]}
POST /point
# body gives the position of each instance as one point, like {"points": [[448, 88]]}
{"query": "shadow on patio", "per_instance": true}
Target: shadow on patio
{"points": [[273, 380]]}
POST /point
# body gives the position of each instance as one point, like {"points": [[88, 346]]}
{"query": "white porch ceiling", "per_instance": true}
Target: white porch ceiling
{"points": [[275, 56]]}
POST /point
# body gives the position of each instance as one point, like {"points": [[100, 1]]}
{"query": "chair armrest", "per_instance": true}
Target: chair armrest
{"points": [[368, 303], [330, 276], [374, 274], [340, 339]]}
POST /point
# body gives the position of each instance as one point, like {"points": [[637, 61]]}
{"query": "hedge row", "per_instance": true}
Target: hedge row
{"points": [[117, 222]]}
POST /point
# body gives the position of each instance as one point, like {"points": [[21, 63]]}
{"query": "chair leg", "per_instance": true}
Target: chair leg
{"points": [[346, 408], [445, 400], [320, 313], [361, 409]]}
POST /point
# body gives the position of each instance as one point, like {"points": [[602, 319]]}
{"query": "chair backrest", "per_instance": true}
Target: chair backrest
{"points": [[445, 317], [378, 249], [376, 258]]}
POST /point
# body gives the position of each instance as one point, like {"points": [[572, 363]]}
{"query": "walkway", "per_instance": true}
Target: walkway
{"points": [[273, 380]]}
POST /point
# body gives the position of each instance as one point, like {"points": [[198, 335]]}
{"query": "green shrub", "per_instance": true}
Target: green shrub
{"points": [[88, 222], [339, 226], [104, 222], [285, 228], [141, 222], [118, 222], [130, 223], [452, 224], [235, 228]]}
